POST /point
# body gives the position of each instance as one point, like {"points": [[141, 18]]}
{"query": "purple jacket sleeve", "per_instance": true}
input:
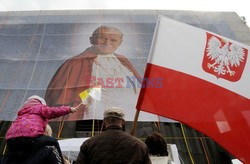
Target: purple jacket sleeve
{"points": [[53, 112]]}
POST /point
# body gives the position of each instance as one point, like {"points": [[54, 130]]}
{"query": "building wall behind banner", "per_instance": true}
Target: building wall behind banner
{"points": [[34, 44]]}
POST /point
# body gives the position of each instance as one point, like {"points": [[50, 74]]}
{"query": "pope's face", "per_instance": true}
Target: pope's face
{"points": [[107, 41]]}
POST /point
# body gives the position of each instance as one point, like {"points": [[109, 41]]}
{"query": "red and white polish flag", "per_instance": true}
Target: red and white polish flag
{"points": [[206, 83]]}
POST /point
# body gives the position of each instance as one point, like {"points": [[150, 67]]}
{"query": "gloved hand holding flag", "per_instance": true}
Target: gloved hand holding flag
{"points": [[94, 92]]}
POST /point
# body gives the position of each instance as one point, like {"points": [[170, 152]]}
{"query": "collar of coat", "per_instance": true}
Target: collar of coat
{"points": [[114, 127]]}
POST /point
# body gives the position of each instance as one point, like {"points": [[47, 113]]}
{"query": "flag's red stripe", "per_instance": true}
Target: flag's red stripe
{"points": [[202, 105]]}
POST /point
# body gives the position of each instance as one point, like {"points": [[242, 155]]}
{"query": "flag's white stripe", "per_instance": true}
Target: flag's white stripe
{"points": [[180, 47]]}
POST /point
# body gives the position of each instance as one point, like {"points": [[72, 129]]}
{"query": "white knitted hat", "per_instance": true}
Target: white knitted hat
{"points": [[38, 98]]}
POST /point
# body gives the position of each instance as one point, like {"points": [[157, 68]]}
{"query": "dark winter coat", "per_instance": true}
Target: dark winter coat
{"points": [[113, 146]]}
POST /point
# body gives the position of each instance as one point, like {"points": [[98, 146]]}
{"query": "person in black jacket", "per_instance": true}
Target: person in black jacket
{"points": [[43, 155], [29, 151]]}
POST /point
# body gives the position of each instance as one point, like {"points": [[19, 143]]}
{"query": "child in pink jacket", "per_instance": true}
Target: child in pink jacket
{"points": [[27, 131]]}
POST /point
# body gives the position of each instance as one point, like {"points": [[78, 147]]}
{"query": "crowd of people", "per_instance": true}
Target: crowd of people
{"points": [[29, 139]]}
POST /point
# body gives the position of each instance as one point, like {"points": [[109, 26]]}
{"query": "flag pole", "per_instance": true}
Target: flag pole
{"points": [[185, 139], [60, 128], [79, 105], [135, 122], [93, 124], [101, 127], [4, 149], [204, 148]]}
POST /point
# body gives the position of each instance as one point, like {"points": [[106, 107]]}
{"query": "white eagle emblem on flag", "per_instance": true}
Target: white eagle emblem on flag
{"points": [[224, 59]]}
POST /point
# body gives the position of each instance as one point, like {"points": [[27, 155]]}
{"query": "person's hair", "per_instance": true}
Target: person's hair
{"points": [[156, 144], [95, 34], [113, 121]]}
